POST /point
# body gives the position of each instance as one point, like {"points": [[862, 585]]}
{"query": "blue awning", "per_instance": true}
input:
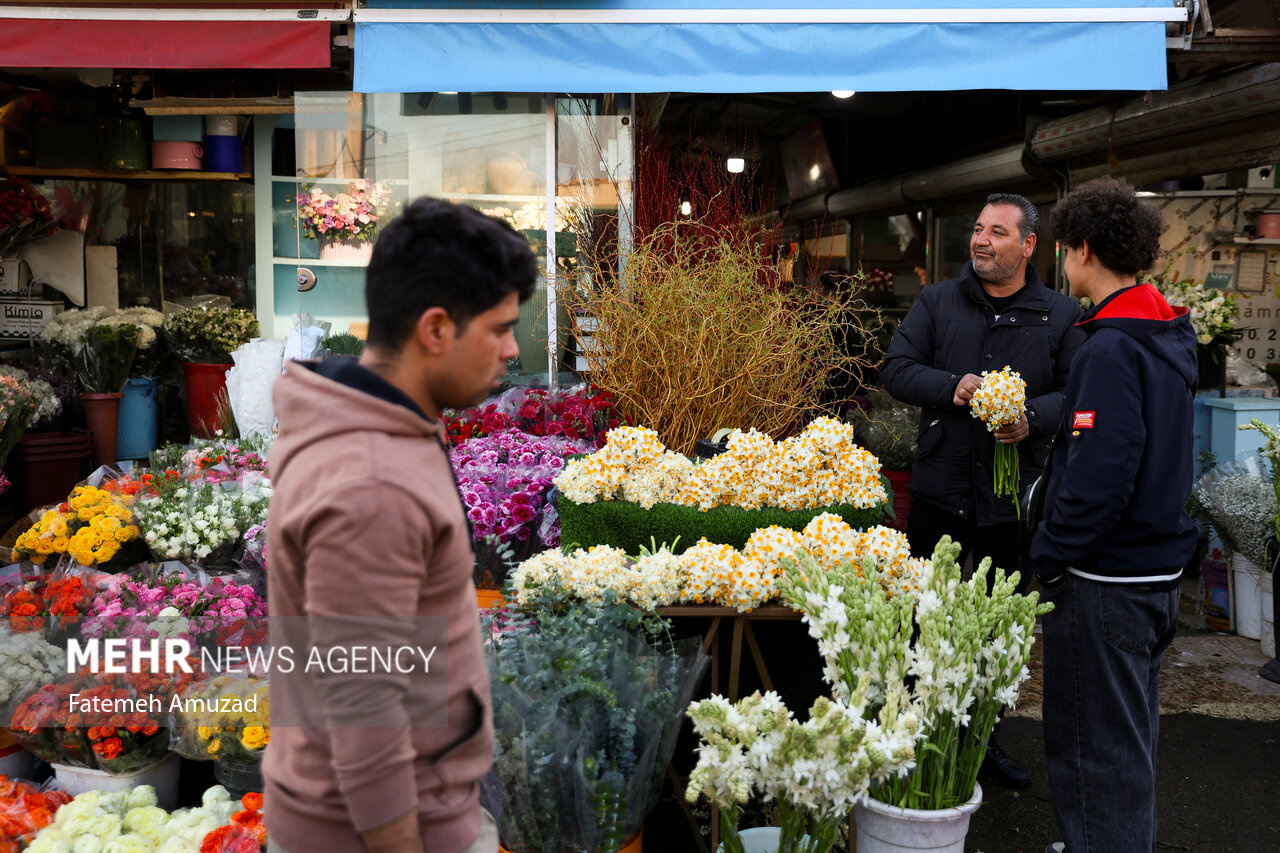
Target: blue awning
{"points": [[759, 46]]}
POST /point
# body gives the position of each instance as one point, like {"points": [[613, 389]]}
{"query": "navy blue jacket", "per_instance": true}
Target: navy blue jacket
{"points": [[952, 330], [1122, 467]]}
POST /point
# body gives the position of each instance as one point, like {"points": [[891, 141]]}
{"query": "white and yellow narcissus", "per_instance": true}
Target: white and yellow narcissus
{"points": [[1000, 399], [711, 573], [822, 466]]}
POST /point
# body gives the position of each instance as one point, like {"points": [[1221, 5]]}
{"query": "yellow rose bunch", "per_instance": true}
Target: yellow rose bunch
{"points": [[226, 716], [91, 526]]}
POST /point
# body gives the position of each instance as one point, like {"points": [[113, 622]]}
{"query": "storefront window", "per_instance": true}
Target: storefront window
{"points": [[489, 150]]}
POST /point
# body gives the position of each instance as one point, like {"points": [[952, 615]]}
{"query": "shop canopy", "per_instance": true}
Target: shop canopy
{"points": [[731, 46], [170, 37]]}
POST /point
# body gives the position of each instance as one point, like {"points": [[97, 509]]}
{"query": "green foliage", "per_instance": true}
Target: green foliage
{"points": [[587, 702], [105, 358], [343, 343], [209, 335], [629, 526]]}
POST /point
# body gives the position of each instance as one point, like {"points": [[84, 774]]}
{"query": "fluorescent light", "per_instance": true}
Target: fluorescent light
{"points": [[843, 93], [735, 164]]}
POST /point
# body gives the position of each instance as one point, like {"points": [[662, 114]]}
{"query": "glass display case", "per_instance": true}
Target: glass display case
{"points": [[495, 151]]}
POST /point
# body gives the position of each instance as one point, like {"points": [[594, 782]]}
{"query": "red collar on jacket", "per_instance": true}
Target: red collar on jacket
{"points": [[1140, 302]]}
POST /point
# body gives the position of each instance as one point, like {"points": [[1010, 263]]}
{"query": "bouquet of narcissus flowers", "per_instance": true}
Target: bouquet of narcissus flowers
{"points": [[999, 402]]}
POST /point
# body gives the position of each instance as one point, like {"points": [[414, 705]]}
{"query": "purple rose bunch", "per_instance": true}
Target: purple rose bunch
{"points": [[222, 614], [504, 479]]}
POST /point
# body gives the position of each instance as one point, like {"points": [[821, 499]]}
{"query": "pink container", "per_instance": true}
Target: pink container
{"points": [[176, 155], [1269, 225]]}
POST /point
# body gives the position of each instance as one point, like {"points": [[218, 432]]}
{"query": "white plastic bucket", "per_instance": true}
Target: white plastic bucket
{"points": [[883, 828], [1268, 632], [1246, 601], [161, 775], [761, 839]]}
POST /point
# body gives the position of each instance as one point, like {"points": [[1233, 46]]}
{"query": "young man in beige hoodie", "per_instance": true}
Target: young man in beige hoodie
{"points": [[380, 710]]}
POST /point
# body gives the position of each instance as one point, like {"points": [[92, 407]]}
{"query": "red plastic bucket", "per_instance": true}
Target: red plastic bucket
{"points": [[205, 384]]}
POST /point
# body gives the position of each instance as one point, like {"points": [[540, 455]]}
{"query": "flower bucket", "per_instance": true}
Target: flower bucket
{"points": [[1266, 589], [45, 466], [760, 839], [238, 777], [1246, 596], [355, 253], [901, 483], [632, 846], [102, 411], [883, 828], [15, 762], [487, 599], [205, 384], [138, 424], [161, 775]]}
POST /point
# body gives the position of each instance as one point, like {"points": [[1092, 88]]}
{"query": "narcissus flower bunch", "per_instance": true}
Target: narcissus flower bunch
{"points": [[711, 573], [999, 402], [92, 525], [822, 466]]}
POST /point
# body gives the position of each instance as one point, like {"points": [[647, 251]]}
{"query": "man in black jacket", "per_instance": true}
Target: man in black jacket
{"points": [[1115, 536], [997, 313]]}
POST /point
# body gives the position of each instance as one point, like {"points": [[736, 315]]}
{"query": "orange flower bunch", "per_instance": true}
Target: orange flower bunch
{"points": [[247, 833], [25, 611], [67, 598], [24, 811]]}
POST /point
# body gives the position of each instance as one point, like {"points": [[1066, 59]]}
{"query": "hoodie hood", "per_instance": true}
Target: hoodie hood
{"points": [[1142, 313], [312, 409]]}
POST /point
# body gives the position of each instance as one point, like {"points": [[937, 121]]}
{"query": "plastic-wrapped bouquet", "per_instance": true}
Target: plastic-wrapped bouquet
{"points": [[25, 809], [587, 704], [235, 735], [94, 526], [186, 520], [999, 402], [18, 405], [25, 216], [944, 658], [219, 614], [504, 479], [1240, 498], [1213, 313], [26, 662], [581, 412]]}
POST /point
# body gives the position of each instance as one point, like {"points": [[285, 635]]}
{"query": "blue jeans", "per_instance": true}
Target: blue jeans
{"points": [[1103, 644]]}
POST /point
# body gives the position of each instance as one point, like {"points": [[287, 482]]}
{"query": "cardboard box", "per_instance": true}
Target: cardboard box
{"points": [[21, 319], [15, 279]]}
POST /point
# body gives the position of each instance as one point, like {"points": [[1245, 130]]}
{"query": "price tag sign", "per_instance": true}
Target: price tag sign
{"points": [[1220, 280]]}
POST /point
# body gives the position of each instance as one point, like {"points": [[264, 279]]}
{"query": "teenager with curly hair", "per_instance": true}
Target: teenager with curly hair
{"points": [[1110, 551]]}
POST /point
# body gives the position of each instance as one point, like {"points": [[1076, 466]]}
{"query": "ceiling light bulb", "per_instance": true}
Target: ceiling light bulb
{"points": [[843, 93], [735, 164], [685, 208]]}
